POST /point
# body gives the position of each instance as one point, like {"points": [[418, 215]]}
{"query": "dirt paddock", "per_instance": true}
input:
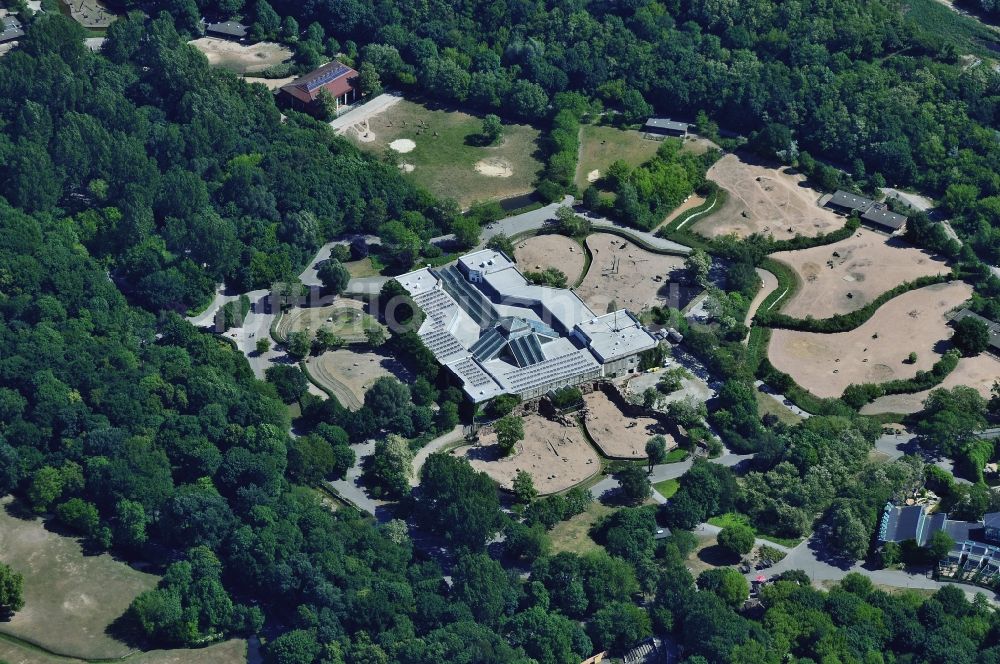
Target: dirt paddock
{"points": [[844, 276], [539, 252], [349, 373], [557, 457], [874, 352], [69, 598], [619, 436], [241, 58], [978, 372], [624, 275], [767, 200]]}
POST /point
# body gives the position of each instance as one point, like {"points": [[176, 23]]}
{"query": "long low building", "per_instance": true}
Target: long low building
{"points": [[499, 334], [867, 209], [991, 326]]}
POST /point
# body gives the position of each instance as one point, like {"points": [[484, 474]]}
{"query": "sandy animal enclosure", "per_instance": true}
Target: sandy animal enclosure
{"points": [[556, 456], [349, 374], [619, 436], [976, 372], [241, 58], [69, 598], [874, 352], [767, 200], [270, 83], [539, 252], [845, 276], [624, 275]]}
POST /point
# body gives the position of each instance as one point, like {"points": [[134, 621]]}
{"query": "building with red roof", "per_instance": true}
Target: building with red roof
{"points": [[339, 80]]}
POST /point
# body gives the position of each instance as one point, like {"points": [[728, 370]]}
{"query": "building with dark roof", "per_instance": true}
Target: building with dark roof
{"points": [[227, 30], [992, 327], [868, 210], [11, 29], [665, 127], [336, 78]]}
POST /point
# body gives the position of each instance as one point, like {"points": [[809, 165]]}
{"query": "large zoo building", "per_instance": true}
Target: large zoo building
{"points": [[499, 334]]}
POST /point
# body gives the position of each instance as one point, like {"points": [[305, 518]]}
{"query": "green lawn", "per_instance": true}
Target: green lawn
{"points": [[446, 155], [734, 518], [573, 535], [967, 33], [675, 455], [667, 488], [601, 145], [768, 405]]}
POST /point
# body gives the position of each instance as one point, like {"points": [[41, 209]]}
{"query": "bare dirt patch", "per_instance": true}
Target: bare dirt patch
{"points": [[241, 58], [494, 167], [625, 275], [692, 201], [977, 372], [349, 374], [539, 252], [556, 456], [769, 283], [620, 436], [269, 83], [69, 598], [845, 276], [403, 145], [345, 317], [874, 352], [767, 200]]}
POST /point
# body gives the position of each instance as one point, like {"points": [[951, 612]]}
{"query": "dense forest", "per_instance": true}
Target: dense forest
{"points": [[135, 179], [178, 176], [856, 84]]}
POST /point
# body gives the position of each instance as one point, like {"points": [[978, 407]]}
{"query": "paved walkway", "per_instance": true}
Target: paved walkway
{"points": [[809, 556], [442, 441], [782, 399], [895, 445], [365, 111], [350, 487], [660, 243]]}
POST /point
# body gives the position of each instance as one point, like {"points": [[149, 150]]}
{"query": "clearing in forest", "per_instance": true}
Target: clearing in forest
{"points": [[876, 351], [241, 58], [349, 373], [70, 598], [978, 372], [765, 199], [440, 150], [227, 652], [600, 145], [556, 455], [623, 275], [845, 276], [541, 252], [618, 435]]}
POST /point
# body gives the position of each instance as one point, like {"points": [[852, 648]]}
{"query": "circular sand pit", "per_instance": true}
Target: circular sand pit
{"points": [[494, 167], [402, 145]]}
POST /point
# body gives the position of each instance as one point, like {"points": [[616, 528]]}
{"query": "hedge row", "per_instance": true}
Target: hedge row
{"points": [[800, 242], [844, 322], [563, 146], [857, 395]]}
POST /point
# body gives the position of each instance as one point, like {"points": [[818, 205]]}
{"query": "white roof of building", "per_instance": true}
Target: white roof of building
{"points": [[557, 305], [451, 332], [615, 335]]}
